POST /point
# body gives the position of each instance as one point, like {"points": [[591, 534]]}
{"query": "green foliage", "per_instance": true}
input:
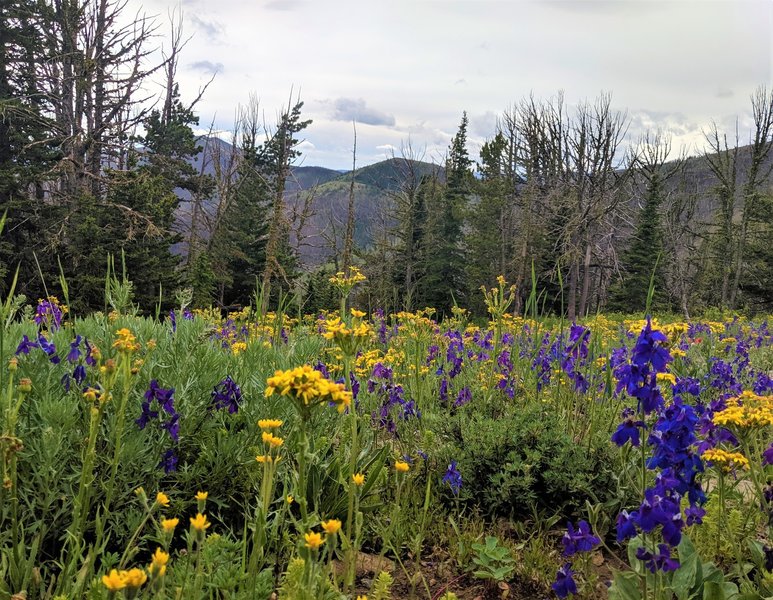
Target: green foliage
{"points": [[644, 258], [694, 579], [721, 537], [494, 562], [382, 586], [444, 265], [202, 280], [515, 462]]}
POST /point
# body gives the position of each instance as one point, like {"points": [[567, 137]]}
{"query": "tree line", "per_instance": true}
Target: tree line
{"points": [[94, 163]]}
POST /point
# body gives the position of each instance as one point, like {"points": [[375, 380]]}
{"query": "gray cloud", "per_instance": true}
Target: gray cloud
{"points": [[207, 66], [725, 92], [212, 29], [350, 109]]}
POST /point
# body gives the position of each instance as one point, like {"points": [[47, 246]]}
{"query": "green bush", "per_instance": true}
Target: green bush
{"points": [[523, 461]]}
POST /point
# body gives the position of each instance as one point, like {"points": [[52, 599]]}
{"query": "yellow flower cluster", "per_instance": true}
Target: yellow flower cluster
{"points": [[499, 298], [669, 377], [365, 361], [308, 387], [314, 540], [402, 466], [118, 580], [126, 341], [747, 410], [341, 280], [349, 339], [271, 440], [168, 525], [726, 459], [158, 563]]}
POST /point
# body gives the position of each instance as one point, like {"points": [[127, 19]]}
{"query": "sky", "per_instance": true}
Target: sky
{"points": [[404, 70]]}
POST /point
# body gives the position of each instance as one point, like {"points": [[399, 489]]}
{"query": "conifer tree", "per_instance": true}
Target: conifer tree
{"points": [[445, 260], [27, 145]]}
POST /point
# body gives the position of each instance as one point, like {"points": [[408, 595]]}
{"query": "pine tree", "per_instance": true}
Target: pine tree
{"points": [[273, 161], [27, 146], [444, 266], [646, 258]]}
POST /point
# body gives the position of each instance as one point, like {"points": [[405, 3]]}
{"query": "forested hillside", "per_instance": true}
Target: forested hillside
{"points": [[560, 198]]}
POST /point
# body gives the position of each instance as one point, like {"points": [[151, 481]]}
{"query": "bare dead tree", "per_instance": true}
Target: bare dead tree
{"points": [[349, 234], [758, 172], [723, 163], [94, 81]]}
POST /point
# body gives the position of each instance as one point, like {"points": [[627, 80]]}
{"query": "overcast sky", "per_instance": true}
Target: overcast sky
{"points": [[406, 69]]}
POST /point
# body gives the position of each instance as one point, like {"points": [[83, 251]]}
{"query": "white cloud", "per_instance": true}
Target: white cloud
{"points": [[691, 60]]}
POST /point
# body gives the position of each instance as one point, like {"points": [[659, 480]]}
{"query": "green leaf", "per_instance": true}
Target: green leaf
{"points": [[685, 578], [625, 587], [636, 564], [686, 549], [713, 591]]}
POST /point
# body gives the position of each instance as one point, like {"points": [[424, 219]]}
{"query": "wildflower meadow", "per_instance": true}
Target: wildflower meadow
{"points": [[356, 454]]}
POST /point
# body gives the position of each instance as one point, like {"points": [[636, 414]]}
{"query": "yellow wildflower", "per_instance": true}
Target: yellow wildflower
{"points": [[168, 525], [313, 540], [332, 526], [726, 459], [126, 341], [162, 499], [264, 458], [669, 377], [272, 440], [202, 496], [358, 478], [199, 522], [266, 424], [135, 577], [290, 499], [357, 313], [158, 563], [402, 466], [114, 581]]}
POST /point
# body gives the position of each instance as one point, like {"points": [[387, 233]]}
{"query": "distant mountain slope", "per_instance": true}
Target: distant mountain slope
{"points": [[304, 178], [327, 193]]}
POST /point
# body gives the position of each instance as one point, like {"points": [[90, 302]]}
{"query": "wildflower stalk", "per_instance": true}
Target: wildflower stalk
{"points": [[721, 485], [352, 554], [82, 501], [304, 448], [135, 535], [120, 424], [10, 445]]}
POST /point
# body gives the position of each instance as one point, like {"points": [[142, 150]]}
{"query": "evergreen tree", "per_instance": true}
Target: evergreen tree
{"points": [[273, 161], [490, 240], [644, 257], [645, 260], [27, 146], [444, 266], [244, 245]]}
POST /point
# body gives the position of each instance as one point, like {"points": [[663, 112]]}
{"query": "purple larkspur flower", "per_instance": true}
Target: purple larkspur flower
{"points": [[564, 583], [453, 478], [579, 540], [226, 394]]}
